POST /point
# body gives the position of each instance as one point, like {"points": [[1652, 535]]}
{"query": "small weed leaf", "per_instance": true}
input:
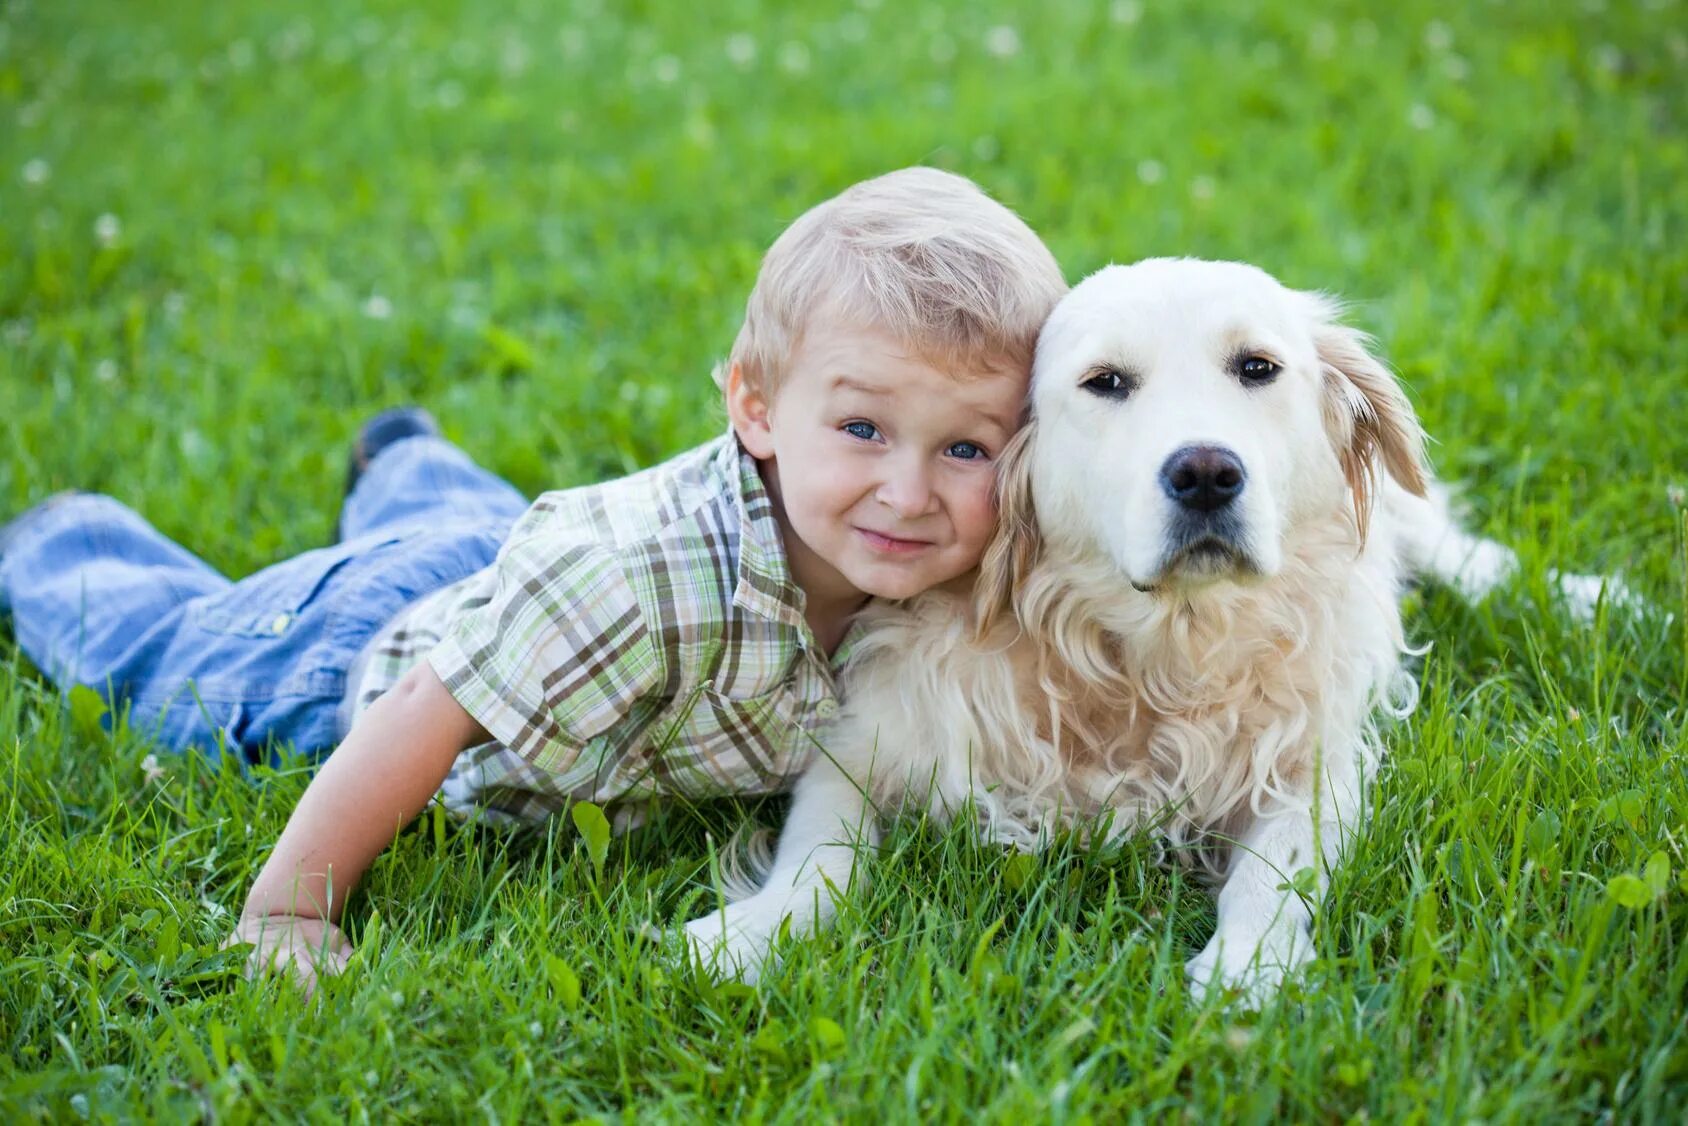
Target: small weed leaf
{"points": [[594, 830], [828, 1035], [1656, 873], [984, 965], [1543, 833], [511, 351], [1426, 932], [169, 943], [1018, 871], [1304, 883], [1629, 891], [770, 1040], [565, 983], [1626, 806], [87, 709], [369, 943]]}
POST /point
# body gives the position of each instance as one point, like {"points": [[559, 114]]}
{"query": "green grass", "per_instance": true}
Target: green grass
{"points": [[560, 207]]}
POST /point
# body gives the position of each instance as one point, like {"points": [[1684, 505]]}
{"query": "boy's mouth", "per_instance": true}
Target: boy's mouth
{"points": [[892, 545]]}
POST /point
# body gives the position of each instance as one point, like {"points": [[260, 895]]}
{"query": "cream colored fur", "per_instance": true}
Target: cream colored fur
{"points": [[1093, 676]]}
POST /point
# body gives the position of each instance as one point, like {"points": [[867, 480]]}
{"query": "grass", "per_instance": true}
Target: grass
{"points": [[231, 231]]}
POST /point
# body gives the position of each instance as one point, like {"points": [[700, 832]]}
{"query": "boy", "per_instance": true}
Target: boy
{"points": [[676, 632]]}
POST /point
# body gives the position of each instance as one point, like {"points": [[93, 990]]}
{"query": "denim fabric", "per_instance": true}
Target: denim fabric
{"points": [[99, 597]]}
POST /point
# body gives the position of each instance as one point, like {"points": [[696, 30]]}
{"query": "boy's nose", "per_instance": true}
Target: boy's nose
{"points": [[907, 493]]}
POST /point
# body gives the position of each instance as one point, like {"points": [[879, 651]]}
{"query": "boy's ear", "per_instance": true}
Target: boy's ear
{"points": [[749, 413]]}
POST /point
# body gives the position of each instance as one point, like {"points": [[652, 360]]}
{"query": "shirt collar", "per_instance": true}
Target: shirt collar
{"points": [[764, 578]]}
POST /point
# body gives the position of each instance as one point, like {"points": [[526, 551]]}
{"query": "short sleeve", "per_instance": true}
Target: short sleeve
{"points": [[558, 654]]}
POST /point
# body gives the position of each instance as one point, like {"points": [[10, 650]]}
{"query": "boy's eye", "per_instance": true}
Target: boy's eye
{"points": [[866, 431], [967, 451]]}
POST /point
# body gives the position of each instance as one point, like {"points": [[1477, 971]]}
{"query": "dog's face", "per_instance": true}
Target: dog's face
{"points": [[1188, 415]]}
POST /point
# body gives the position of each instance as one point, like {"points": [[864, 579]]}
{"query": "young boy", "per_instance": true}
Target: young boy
{"points": [[673, 633]]}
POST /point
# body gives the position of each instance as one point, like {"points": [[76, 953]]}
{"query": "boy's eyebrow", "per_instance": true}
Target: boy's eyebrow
{"points": [[1007, 423], [849, 383]]}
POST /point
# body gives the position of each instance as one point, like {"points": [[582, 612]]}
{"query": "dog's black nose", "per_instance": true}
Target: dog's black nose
{"points": [[1202, 478]]}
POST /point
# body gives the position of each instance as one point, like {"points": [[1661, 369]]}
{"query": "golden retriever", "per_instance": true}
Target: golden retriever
{"points": [[1188, 622]]}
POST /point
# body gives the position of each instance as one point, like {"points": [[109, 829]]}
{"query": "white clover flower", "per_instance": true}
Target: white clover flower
{"points": [[377, 307], [1151, 171], [1002, 41], [106, 371], [666, 69], [794, 57], [1126, 12], [1202, 187], [1421, 116], [1321, 40], [1438, 36], [513, 57], [741, 49], [37, 171], [107, 228]]}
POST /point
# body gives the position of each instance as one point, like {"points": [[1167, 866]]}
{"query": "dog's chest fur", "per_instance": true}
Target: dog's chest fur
{"points": [[1180, 713]]}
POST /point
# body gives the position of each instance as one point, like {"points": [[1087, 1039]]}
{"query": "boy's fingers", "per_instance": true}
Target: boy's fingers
{"points": [[304, 949]]}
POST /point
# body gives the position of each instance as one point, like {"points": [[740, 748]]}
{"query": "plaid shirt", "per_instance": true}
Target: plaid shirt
{"points": [[636, 639]]}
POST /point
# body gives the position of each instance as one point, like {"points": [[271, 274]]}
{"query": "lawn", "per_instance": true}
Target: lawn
{"points": [[230, 231]]}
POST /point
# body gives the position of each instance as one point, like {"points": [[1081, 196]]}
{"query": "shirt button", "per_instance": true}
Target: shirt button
{"points": [[282, 621], [826, 709]]}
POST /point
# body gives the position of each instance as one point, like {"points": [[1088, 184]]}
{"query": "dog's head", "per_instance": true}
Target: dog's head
{"points": [[1186, 417]]}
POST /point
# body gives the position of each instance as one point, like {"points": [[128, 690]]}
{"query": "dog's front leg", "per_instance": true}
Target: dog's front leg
{"points": [[816, 854], [1265, 916]]}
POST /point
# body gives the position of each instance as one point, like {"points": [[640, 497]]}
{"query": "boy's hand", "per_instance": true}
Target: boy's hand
{"points": [[305, 948], [385, 772]]}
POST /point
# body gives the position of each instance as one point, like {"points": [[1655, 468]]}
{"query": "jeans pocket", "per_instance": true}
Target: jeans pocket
{"points": [[267, 603]]}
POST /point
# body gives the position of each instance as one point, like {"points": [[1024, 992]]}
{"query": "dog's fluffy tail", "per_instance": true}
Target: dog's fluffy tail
{"points": [[746, 860], [1435, 545]]}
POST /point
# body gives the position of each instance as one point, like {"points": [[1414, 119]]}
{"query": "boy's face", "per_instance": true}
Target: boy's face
{"points": [[880, 464]]}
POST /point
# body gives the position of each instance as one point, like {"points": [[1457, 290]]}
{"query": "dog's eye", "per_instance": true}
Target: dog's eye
{"points": [[1108, 384], [1257, 369]]}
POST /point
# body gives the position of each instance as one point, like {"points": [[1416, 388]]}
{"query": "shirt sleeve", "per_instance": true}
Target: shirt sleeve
{"points": [[559, 653]]}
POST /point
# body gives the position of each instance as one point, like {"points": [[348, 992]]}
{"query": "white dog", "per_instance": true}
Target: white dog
{"points": [[1189, 620]]}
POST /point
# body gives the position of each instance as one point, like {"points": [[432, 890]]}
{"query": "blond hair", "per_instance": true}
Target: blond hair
{"points": [[922, 254]]}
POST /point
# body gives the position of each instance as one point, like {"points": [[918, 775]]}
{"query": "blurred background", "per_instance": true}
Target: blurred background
{"points": [[228, 232]]}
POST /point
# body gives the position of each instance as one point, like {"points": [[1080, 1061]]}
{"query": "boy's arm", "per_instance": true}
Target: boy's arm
{"points": [[389, 766]]}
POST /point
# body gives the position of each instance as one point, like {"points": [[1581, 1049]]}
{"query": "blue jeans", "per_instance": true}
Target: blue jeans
{"points": [[99, 597]]}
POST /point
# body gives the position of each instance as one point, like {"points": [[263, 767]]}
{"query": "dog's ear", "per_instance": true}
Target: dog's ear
{"points": [[1016, 545], [1367, 414]]}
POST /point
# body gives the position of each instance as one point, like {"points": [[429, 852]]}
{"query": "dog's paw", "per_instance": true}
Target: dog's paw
{"points": [[1254, 968], [725, 947]]}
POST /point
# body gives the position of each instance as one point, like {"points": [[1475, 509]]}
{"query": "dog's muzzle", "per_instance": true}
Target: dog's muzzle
{"points": [[1206, 537]]}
